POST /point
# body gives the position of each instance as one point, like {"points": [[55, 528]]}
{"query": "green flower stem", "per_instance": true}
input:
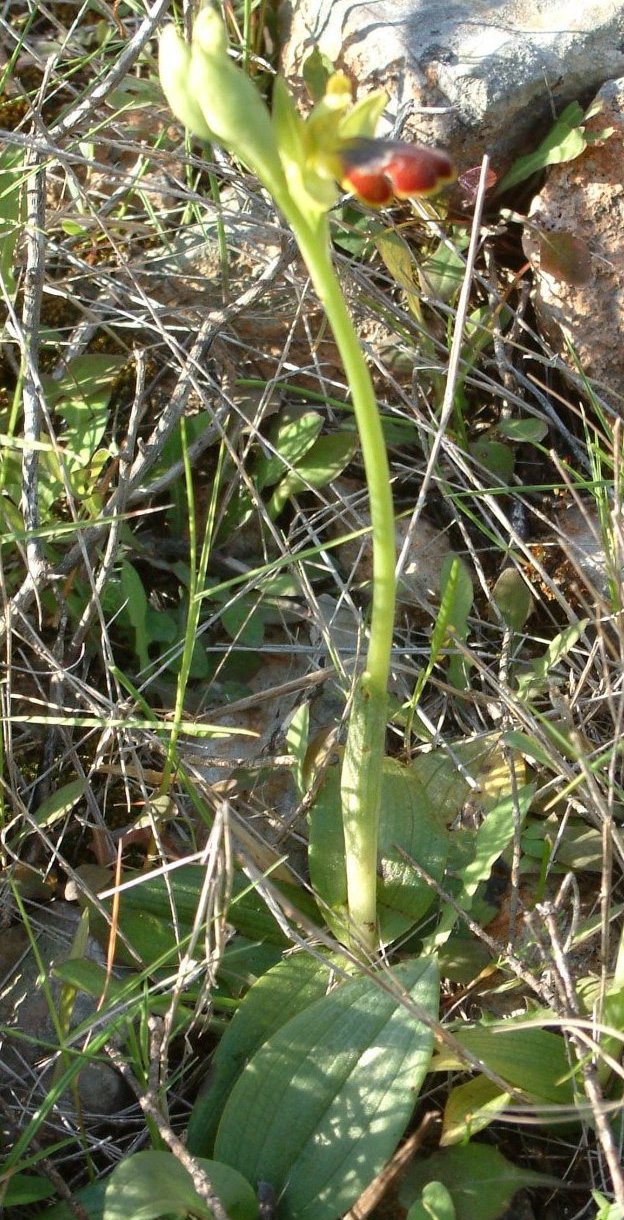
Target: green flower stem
{"points": [[365, 746]]}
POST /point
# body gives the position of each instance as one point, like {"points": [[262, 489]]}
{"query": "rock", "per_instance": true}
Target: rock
{"points": [[27, 1049], [493, 72], [582, 206]]}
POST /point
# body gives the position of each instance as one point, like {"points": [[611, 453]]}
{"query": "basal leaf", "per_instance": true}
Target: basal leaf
{"points": [[532, 1059], [293, 435], [324, 461], [152, 1184], [479, 1179], [60, 802], [513, 598], [322, 1105], [279, 995], [469, 1108], [436, 1203], [409, 829]]}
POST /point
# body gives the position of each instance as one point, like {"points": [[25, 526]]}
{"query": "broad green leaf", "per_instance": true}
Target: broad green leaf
{"points": [[145, 913], [152, 1184], [316, 71], [446, 619], [513, 598], [294, 434], [410, 828], [531, 1059], [243, 620], [479, 1179], [496, 457], [579, 846], [83, 974], [81, 398], [456, 587], [399, 259], [322, 1105], [24, 1188], [288, 988], [59, 803], [325, 460], [446, 787], [524, 431], [469, 1108], [436, 1203], [606, 1210]]}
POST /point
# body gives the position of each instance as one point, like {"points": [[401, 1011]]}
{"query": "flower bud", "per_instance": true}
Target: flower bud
{"points": [[230, 103], [174, 63]]}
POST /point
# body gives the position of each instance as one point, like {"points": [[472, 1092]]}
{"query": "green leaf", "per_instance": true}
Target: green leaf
{"points": [[294, 434], [316, 71], [606, 1210], [297, 738], [441, 273], [59, 803], [244, 621], [136, 607], [281, 993], [436, 1204], [409, 825], [491, 839], [532, 1059], [496, 457], [153, 1184], [11, 208], [564, 142], [535, 679], [479, 1179], [325, 460], [523, 431], [81, 398], [323, 1104], [469, 1108], [24, 1188], [145, 913], [513, 598], [458, 594]]}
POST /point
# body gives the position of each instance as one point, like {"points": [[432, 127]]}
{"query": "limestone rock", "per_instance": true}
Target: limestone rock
{"points": [[494, 71], [582, 202]]}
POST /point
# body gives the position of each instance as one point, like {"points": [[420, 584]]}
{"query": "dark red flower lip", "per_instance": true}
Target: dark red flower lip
{"points": [[376, 171]]}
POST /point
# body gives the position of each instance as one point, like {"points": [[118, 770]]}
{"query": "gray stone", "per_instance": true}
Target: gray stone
{"points": [[496, 68]]}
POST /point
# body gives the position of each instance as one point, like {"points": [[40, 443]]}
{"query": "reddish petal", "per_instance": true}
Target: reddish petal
{"points": [[415, 170], [378, 169], [372, 188]]}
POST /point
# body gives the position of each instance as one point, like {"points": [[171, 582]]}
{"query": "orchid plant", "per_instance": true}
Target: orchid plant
{"points": [[304, 164]]}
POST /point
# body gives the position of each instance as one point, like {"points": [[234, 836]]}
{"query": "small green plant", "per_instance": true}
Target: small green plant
{"points": [[299, 162]]}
